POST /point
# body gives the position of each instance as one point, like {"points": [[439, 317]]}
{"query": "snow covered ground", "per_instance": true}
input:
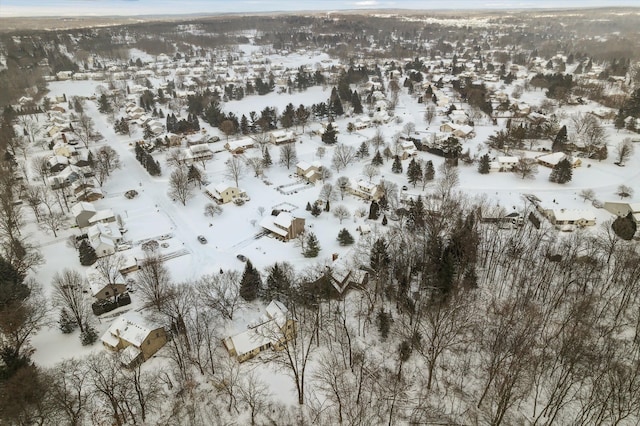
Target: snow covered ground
{"points": [[154, 213]]}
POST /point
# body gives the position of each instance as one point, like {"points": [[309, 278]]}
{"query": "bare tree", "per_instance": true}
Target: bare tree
{"points": [[68, 293], [430, 112], [525, 168], [53, 221], [297, 345], [328, 192], [370, 171], [257, 165], [177, 157], [40, 167], [254, 394], [110, 386], [288, 155], [624, 191], [69, 392], [341, 212], [587, 194], [154, 281], [210, 210], [234, 169], [221, 292], [377, 140], [448, 180], [228, 128], [624, 151], [320, 152], [33, 197], [179, 188], [409, 128], [343, 185], [84, 129], [343, 155], [31, 127], [109, 267]]}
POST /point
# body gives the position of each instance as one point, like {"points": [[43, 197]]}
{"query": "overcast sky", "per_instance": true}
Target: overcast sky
{"points": [[154, 7]]}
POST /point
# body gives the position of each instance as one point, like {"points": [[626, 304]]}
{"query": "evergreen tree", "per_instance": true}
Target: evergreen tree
{"points": [[414, 172], [344, 237], [560, 140], [356, 103], [329, 136], [335, 104], [308, 208], [194, 175], [363, 151], [384, 323], [602, 153], [379, 259], [104, 106], [12, 287], [88, 336], [312, 246], [396, 167], [87, 253], [384, 220], [266, 158], [562, 172], [66, 323], [251, 282], [315, 210], [327, 207], [377, 159], [619, 121], [374, 210], [278, 284], [484, 166]]}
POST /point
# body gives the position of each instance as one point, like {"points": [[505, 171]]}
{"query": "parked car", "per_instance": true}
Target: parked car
{"points": [[242, 257], [202, 239]]}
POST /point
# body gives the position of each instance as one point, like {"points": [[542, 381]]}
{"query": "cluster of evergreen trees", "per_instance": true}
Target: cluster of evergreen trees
{"points": [[175, 125], [121, 127], [152, 166]]}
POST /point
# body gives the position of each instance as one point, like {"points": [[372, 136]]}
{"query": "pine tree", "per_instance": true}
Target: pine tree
{"points": [[379, 259], [278, 284], [87, 253], [429, 171], [377, 159], [344, 237], [484, 166], [194, 175], [363, 151], [327, 207], [329, 136], [384, 323], [104, 106], [560, 140], [562, 172], [308, 208], [251, 282], [414, 172], [619, 121], [315, 210], [396, 167], [66, 323], [374, 210], [356, 103], [266, 158], [312, 246], [384, 220], [88, 336]]}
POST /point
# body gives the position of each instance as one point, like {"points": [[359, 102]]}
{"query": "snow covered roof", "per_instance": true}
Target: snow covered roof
{"points": [[130, 327], [101, 215], [267, 332], [82, 206], [573, 215]]}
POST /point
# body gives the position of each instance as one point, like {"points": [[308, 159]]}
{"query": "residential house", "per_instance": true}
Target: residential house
{"points": [[623, 209], [365, 190], [82, 212], [57, 163], [563, 217], [135, 338], [309, 172], [224, 193], [239, 146], [503, 164], [272, 330], [283, 225], [200, 152], [104, 238], [100, 289], [280, 137], [407, 149], [362, 123], [551, 160]]}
